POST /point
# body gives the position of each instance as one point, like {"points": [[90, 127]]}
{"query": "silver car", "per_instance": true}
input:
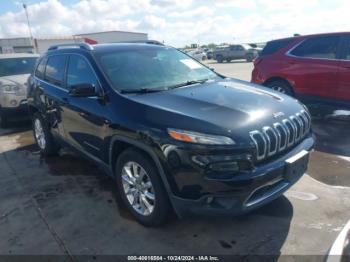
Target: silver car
{"points": [[14, 72]]}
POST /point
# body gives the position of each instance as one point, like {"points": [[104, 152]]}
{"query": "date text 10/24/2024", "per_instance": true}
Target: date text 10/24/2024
{"points": [[173, 258]]}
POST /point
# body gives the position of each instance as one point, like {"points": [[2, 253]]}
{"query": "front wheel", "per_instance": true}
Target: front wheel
{"points": [[219, 59], [141, 188], [43, 136]]}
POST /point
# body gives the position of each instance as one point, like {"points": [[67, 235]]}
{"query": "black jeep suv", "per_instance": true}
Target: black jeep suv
{"points": [[171, 132]]}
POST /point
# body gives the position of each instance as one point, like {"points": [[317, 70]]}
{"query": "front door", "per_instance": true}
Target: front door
{"points": [[84, 122]]}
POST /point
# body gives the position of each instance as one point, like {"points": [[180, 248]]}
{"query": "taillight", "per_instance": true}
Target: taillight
{"points": [[257, 60]]}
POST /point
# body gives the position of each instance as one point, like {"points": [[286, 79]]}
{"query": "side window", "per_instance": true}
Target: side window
{"points": [[79, 72], [55, 67], [40, 70], [233, 47], [240, 48], [318, 47], [346, 50], [273, 46]]}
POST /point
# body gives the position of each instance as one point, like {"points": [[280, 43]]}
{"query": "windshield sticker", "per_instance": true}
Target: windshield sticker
{"points": [[191, 63]]}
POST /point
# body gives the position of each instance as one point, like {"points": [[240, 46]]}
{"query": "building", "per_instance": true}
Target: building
{"points": [[40, 45], [112, 37], [16, 45]]}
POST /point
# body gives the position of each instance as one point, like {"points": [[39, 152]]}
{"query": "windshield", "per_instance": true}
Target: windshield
{"points": [[17, 66], [151, 68]]}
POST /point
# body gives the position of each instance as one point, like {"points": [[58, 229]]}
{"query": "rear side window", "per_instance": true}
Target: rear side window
{"points": [[273, 46], [40, 70], [325, 47], [346, 49], [55, 67]]}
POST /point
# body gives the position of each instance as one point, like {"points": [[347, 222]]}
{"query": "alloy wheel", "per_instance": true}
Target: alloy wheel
{"points": [[39, 134], [138, 188], [279, 89]]}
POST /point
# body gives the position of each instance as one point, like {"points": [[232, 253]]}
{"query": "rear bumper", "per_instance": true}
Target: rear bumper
{"points": [[257, 77], [245, 192]]}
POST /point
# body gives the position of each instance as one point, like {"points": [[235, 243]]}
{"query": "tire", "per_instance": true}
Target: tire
{"points": [[157, 209], [43, 137], [219, 59], [280, 86], [3, 120], [249, 58], [228, 60]]}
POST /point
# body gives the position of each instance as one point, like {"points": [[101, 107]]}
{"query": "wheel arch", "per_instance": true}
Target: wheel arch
{"points": [[279, 78], [120, 143], [32, 110]]}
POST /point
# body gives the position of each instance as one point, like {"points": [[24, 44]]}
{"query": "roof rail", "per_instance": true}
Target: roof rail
{"points": [[72, 45], [151, 42]]}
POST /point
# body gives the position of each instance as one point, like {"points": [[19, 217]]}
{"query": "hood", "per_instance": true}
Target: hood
{"points": [[227, 104], [19, 80]]}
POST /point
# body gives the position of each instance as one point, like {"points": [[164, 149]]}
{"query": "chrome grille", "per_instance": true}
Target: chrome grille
{"points": [[281, 135]]}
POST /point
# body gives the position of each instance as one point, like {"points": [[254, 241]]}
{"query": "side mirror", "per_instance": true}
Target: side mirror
{"points": [[83, 90]]}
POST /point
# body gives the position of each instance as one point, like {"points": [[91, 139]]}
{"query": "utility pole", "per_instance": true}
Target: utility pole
{"points": [[28, 23]]}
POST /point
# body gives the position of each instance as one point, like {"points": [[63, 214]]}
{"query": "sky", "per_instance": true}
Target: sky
{"points": [[177, 22]]}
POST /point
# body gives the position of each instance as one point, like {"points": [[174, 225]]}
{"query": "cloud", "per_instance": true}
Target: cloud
{"points": [[180, 22], [236, 3]]}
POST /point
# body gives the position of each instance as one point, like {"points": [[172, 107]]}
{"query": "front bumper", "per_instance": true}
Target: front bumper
{"points": [[19, 112], [241, 193], [9, 100]]}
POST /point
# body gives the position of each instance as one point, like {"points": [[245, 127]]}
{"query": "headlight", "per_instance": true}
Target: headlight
{"points": [[9, 89], [199, 138]]}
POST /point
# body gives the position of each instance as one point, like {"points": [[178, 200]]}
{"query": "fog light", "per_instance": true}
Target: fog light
{"points": [[231, 166], [13, 103]]}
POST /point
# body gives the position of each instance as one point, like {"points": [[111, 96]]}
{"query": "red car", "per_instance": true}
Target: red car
{"points": [[313, 68]]}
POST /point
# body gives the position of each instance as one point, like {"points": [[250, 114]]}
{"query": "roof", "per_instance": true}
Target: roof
{"points": [[113, 31], [17, 55], [83, 47], [124, 46], [313, 35]]}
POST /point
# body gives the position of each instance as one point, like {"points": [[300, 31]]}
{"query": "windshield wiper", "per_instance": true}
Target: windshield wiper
{"points": [[188, 83], [141, 90]]}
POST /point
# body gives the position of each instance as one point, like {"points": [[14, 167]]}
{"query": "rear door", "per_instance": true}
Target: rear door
{"points": [[343, 88], [313, 66], [240, 52], [84, 121], [50, 90]]}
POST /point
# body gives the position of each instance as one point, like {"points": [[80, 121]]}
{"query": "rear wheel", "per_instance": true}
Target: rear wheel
{"points": [[141, 188], [280, 86], [249, 57], [43, 136]]}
